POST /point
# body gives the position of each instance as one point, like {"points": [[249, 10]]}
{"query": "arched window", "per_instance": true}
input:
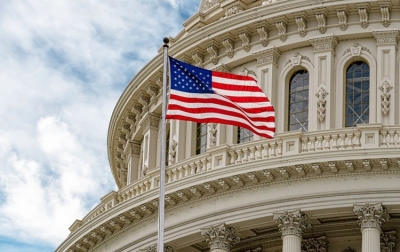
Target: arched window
{"points": [[244, 135], [298, 101], [357, 94], [201, 138]]}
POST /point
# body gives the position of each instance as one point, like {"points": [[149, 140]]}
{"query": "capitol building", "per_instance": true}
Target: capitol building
{"points": [[329, 180]]}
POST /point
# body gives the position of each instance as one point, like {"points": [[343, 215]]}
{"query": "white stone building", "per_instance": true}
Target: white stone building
{"points": [[328, 181]]}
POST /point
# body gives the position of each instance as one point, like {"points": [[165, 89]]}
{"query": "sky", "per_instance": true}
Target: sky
{"points": [[63, 66]]}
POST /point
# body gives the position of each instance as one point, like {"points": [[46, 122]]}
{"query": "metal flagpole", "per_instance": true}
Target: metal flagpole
{"points": [[161, 204]]}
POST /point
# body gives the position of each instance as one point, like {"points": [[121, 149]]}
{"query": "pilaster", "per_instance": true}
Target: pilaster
{"points": [[133, 161], [149, 123], [267, 72], [322, 90], [220, 237], [386, 107], [371, 217]]}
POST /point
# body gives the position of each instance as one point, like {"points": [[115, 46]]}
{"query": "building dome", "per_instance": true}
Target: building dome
{"points": [[328, 181]]}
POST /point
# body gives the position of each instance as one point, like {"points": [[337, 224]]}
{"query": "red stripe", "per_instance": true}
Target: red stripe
{"points": [[229, 87], [232, 76], [220, 120]]}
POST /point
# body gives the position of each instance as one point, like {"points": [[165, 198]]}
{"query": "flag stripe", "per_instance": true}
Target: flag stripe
{"points": [[206, 96]]}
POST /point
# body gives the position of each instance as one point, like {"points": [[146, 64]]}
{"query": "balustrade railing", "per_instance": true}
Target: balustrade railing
{"points": [[285, 144]]}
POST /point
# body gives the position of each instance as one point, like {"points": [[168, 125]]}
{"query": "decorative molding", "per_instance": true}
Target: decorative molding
{"points": [[150, 121], [233, 10], [385, 88], [263, 33], [342, 16], [385, 12], [228, 42], [220, 236], [388, 241], [363, 12], [301, 25], [321, 19], [267, 56], [371, 215], [386, 37], [247, 72], [319, 244], [292, 222], [212, 129], [213, 50], [245, 37], [356, 49], [322, 44], [198, 57], [282, 27], [208, 4], [144, 99], [321, 103]]}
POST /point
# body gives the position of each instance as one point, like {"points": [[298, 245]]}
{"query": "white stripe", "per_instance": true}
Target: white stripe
{"points": [[234, 81], [224, 117], [218, 106], [217, 96], [235, 93]]}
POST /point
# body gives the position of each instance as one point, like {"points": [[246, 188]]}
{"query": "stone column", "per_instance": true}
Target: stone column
{"points": [[149, 124], [133, 160], [371, 217], [323, 86], [292, 224], [220, 237], [267, 72]]}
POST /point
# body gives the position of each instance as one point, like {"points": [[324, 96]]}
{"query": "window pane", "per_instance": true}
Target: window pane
{"points": [[357, 94], [244, 135], [201, 138], [298, 101]]}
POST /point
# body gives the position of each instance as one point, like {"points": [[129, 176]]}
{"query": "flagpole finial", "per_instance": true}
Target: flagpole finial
{"points": [[166, 41]]}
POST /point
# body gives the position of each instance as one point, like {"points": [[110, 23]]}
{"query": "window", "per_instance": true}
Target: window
{"points": [[201, 138], [298, 101], [357, 94], [244, 135]]}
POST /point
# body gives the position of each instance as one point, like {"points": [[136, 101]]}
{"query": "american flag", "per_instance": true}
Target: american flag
{"points": [[206, 96]]}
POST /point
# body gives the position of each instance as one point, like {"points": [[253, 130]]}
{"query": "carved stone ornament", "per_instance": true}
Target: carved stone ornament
{"points": [[150, 121], [220, 236], [385, 11], [301, 26], [144, 170], [247, 72], [281, 26], [371, 215], [268, 2], [363, 12], [135, 147], [267, 56], [233, 10], [172, 150], [327, 43], [212, 49], [153, 248], [321, 19], [315, 245], [245, 37], [342, 16], [388, 241], [321, 102], [228, 43], [387, 37], [292, 223], [208, 4], [212, 128], [385, 88], [263, 33]]}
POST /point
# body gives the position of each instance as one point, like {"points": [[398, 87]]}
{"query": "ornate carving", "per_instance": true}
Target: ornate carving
{"points": [[263, 33], [198, 57], [321, 19], [388, 241], [267, 56], [137, 109], [268, 2], [244, 35], [144, 99], [349, 165], [209, 187], [172, 150], [292, 223], [281, 26], [325, 43], [371, 215], [208, 4], [385, 11], [246, 72], [342, 16], [212, 49], [333, 167], [268, 175], [388, 37], [212, 129], [363, 12], [301, 26], [385, 88], [233, 10], [195, 192], [367, 164], [315, 245], [321, 103], [227, 41], [220, 236]]}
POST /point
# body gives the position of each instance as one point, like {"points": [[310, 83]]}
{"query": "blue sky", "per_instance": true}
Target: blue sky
{"points": [[63, 66]]}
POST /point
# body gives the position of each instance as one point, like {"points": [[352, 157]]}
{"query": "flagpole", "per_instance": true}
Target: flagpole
{"points": [[161, 204]]}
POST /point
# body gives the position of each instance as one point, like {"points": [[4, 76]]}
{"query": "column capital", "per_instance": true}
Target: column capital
{"points": [[323, 44], [371, 215], [292, 222], [150, 120], [220, 236], [386, 37], [267, 56]]}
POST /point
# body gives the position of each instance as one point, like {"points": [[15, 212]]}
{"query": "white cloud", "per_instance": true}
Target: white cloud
{"points": [[63, 66]]}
